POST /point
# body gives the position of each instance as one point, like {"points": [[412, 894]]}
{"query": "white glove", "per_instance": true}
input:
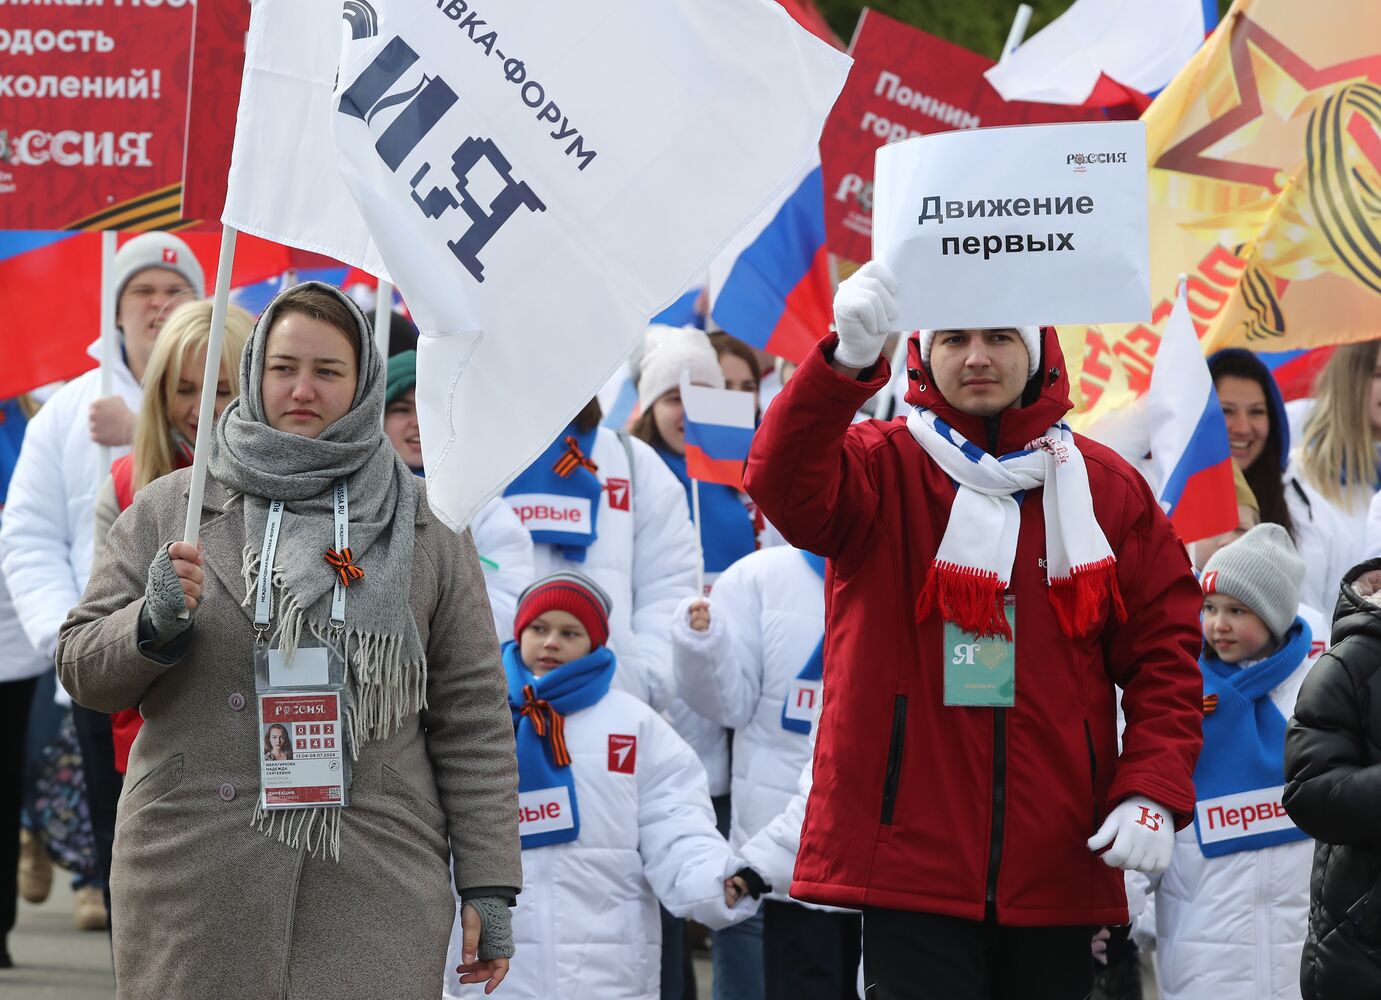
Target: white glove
{"points": [[864, 312], [1142, 834]]}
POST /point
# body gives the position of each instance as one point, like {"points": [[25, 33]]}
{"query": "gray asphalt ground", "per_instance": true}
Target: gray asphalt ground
{"points": [[53, 960]]}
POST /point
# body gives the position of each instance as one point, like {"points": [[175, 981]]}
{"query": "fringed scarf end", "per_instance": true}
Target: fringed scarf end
{"points": [[1080, 599], [970, 598], [318, 829]]}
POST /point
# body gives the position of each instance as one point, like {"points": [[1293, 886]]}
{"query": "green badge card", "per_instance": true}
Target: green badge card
{"points": [[981, 671]]}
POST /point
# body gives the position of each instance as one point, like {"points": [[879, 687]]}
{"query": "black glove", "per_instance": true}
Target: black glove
{"points": [[756, 886]]}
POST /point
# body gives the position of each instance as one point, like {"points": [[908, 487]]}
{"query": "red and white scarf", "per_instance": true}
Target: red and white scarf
{"points": [[973, 566]]}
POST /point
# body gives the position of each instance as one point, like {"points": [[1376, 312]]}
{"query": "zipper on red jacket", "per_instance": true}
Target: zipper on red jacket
{"points": [[1092, 773], [999, 806], [895, 747], [993, 426]]}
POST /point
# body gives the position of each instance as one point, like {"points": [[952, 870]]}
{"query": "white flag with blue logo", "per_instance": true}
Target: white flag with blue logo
{"points": [[538, 179]]}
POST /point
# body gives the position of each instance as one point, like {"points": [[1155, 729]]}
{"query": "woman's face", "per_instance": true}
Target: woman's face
{"points": [[1248, 417], [669, 416], [400, 424], [1374, 397], [309, 375], [276, 739], [737, 375], [184, 402]]}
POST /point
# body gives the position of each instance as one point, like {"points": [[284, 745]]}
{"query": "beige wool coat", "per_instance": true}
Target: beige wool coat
{"points": [[203, 904]]}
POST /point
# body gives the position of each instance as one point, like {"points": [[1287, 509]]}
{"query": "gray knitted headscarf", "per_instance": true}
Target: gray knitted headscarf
{"points": [[386, 664]]}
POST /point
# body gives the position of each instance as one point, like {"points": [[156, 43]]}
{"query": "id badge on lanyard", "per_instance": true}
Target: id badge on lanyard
{"points": [[301, 749], [981, 671]]}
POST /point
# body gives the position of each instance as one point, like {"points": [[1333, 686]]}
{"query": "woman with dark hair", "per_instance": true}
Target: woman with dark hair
{"points": [[1259, 436]]}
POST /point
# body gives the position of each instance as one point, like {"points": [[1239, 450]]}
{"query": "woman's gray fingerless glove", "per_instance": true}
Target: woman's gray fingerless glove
{"points": [[163, 600], [496, 927]]}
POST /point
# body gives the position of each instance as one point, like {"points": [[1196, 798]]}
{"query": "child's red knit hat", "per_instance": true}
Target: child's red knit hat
{"points": [[570, 592]]}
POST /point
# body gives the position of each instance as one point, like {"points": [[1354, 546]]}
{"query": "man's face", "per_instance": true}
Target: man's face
{"points": [[979, 372], [147, 300]]}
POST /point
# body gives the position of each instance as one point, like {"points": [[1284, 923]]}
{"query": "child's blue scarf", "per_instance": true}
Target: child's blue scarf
{"points": [[1244, 751], [726, 526], [563, 471], [539, 706], [794, 707]]}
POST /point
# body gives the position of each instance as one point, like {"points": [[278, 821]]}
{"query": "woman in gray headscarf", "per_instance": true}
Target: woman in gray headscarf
{"points": [[219, 896]]}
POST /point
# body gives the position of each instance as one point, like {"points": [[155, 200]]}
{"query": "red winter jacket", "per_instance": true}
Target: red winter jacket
{"points": [[918, 806]]}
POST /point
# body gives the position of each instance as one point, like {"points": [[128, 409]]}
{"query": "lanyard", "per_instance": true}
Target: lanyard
{"points": [[263, 593]]}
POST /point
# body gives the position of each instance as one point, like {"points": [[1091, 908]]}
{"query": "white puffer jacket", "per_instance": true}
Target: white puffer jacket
{"points": [[45, 540], [18, 660], [645, 557], [1231, 927], [1373, 541], [587, 923], [505, 550], [1329, 541], [767, 614]]}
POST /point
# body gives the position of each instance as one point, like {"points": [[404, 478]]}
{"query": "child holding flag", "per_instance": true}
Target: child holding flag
{"points": [[614, 811], [1231, 909], [706, 455], [753, 662]]}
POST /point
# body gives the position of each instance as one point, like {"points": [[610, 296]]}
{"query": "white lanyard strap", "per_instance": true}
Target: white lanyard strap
{"points": [[342, 509], [263, 595]]}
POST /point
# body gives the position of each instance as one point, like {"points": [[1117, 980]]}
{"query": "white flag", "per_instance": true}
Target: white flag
{"points": [[1139, 43], [539, 179]]}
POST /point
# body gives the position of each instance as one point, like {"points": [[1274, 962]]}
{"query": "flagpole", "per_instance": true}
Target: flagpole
{"points": [[109, 343], [700, 547], [383, 315], [1017, 32], [206, 419]]}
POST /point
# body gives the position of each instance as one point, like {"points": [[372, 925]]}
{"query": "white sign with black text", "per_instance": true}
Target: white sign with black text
{"points": [[1023, 225]]}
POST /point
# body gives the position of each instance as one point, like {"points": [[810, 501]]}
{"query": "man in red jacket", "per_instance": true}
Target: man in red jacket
{"points": [[992, 576]]}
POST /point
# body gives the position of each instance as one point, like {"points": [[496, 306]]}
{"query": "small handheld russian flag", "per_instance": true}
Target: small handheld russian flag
{"points": [[719, 430], [1189, 438]]}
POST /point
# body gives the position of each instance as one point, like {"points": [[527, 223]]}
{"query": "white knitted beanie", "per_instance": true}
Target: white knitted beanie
{"points": [[670, 350], [1264, 571], [162, 250], [1030, 336]]}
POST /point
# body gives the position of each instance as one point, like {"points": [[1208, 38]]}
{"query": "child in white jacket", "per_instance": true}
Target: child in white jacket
{"points": [[614, 813], [752, 660], [1230, 912]]}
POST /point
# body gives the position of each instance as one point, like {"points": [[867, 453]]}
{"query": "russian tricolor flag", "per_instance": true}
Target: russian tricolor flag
{"points": [[770, 286], [719, 429], [1189, 438]]}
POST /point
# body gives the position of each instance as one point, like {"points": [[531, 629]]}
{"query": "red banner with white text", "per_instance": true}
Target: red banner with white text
{"points": [[93, 106]]}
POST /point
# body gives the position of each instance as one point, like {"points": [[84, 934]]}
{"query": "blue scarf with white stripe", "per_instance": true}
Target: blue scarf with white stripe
{"points": [[1244, 746], [559, 472], [814, 670]]}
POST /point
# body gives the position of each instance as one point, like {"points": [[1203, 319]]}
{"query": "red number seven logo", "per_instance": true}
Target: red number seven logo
{"points": [[618, 493]]}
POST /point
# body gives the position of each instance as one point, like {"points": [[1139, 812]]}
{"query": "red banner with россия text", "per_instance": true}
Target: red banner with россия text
{"points": [[93, 105]]}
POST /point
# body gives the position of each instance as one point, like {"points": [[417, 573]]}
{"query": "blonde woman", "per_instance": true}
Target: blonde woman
{"points": [[165, 432], [1340, 450]]}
